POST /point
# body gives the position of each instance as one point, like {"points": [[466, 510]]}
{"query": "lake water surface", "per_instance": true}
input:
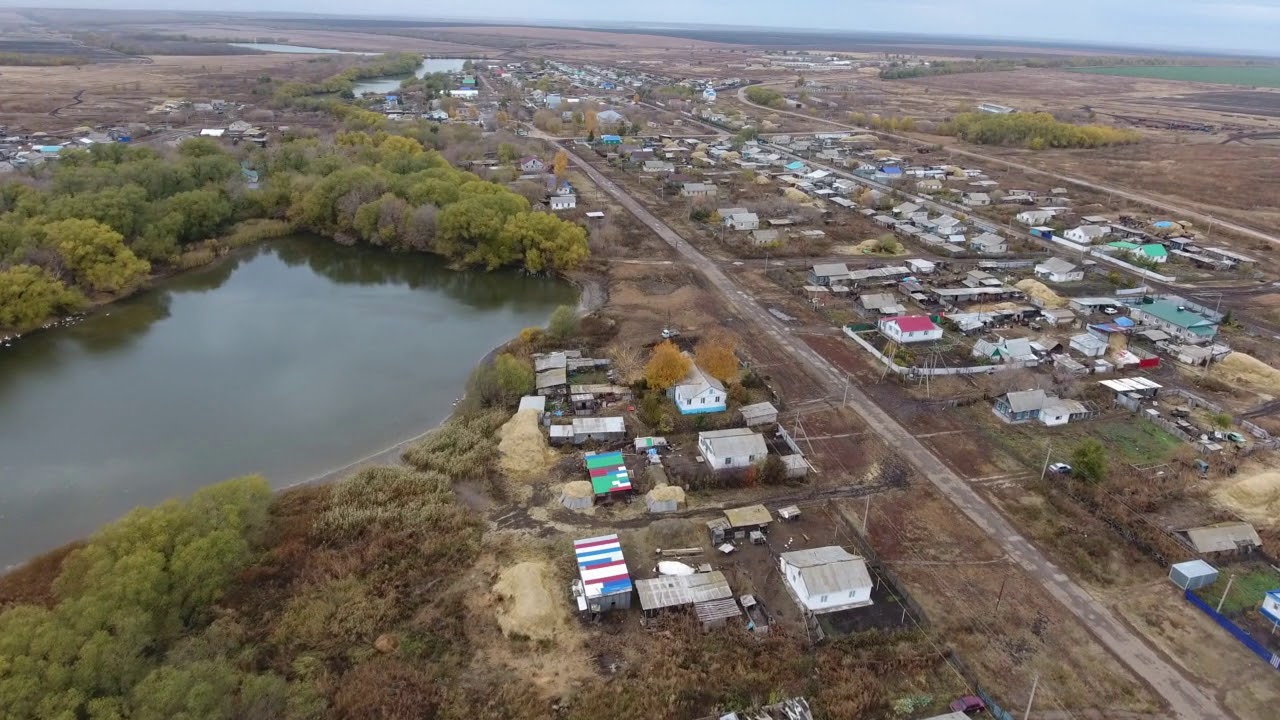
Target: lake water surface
{"points": [[290, 359], [390, 84]]}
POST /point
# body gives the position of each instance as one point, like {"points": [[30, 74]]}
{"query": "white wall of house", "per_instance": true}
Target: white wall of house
{"points": [[818, 603], [718, 462], [893, 332]]}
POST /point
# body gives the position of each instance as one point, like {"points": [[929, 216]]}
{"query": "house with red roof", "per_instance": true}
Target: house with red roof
{"points": [[910, 329]]}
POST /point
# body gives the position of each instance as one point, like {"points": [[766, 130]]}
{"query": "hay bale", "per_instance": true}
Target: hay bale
{"points": [[1256, 498], [763, 180], [529, 607], [1041, 293], [577, 495], [797, 196], [668, 492], [386, 643], [1249, 372], [523, 452]]}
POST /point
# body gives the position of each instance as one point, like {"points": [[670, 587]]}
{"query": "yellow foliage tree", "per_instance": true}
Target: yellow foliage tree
{"points": [[715, 355], [590, 122], [560, 165], [667, 366]]}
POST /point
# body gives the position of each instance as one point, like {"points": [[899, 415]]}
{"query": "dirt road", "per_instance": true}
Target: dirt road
{"points": [[1185, 700], [1079, 182]]}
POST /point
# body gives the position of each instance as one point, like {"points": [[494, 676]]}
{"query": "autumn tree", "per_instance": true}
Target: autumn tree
{"points": [[30, 294], [96, 255], [564, 322], [715, 355], [560, 166], [544, 241], [667, 366], [590, 122], [514, 377]]}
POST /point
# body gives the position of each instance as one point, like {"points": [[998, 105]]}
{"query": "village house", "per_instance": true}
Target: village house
{"points": [[989, 244], [827, 579], [698, 190], [1177, 319], [929, 185], [658, 166], [1087, 234], [562, 202], [742, 221], [531, 164], [909, 329], [828, 274], [762, 238], [1150, 252], [1051, 410], [732, 448], [976, 199], [1059, 271], [1036, 217], [698, 393]]}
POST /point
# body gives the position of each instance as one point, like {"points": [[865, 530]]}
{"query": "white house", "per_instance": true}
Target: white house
{"points": [[827, 579], [693, 189], [761, 238], [562, 202], [531, 164], [698, 393], [732, 448], [988, 244], [1089, 345], [1059, 271], [910, 329], [742, 221], [1036, 217], [977, 199], [1087, 234]]}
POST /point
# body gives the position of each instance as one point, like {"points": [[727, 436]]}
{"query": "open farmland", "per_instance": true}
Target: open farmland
{"points": [[1252, 75]]}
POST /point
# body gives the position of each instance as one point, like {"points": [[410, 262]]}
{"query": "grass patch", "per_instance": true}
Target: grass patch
{"points": [[257, 230], [1247, 590], [1138, 441], [1252, 76]]}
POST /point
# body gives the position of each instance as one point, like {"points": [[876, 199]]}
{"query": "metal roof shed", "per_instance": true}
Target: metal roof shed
{"points": [[752, 516], [715, 613], [608, 473], [1193, 574], [604, 579], [1224, 537], [677, 590], [759, 414]]}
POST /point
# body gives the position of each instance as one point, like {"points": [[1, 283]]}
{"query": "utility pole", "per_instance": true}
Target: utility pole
{"points": [[1044, 470], [846, 391], [1032, 699], [1230, 579], [865, 514], [1001, 595]]}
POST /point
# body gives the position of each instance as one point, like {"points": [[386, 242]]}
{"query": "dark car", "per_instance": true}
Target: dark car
{"points": [[969, 705]]}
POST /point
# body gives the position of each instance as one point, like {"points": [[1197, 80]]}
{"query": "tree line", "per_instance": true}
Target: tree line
{"points": [[764, 96], [99, 221], [1036, 131], [946, 67]]}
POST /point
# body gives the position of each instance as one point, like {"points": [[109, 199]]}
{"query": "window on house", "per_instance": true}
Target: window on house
{"points": [[727, 460], [851, 593], [689, 401], [822, 599], [702, 401]]}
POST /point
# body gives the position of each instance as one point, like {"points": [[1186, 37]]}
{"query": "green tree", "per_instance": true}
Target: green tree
{"points": [[96, 255], [507, 154], [514, 376], [545, 241], [29, 295], [1089, 461], [203, 213], [564, 322], [471, 228]]}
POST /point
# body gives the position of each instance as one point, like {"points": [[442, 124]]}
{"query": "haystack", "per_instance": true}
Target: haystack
{"points": [[1256, 498], [796, 196], [664, 498], [523, 452], [763, 180], [1040, 292], [529, 607], [1249, 372], [577, 495]]}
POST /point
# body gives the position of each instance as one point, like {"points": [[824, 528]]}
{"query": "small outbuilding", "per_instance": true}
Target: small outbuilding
{"points": [[759, 414], [751, 518], [1193, 574], [608, 473], [604, 583], [1224, 538]]}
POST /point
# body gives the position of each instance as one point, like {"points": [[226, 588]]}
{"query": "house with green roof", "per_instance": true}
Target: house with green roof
{"points": [[1177, 320], [1152, 252]]}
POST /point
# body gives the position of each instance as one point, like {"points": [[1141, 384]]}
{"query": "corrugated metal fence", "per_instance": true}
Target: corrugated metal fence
{"points": [[1256, 647]]}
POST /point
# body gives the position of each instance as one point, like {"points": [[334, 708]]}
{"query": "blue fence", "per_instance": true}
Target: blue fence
{"points": [[996, 711], [1269, 657]]}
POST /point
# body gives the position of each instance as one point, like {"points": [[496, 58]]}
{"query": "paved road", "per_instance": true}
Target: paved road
{"points": [[1081, 182], [1185, 700]]}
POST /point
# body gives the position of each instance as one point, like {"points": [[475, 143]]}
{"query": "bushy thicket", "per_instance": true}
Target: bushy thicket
{"points": [[1033, 130]]}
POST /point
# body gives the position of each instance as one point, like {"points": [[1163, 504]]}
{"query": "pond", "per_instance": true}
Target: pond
{"points": [[291, 360], [382, 85]]}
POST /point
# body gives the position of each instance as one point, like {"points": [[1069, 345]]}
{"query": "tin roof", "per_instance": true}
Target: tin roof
{"points": [[748, 516], [608, 473], [829, 569], [1224, 537], [601, 566], [675, 590]]}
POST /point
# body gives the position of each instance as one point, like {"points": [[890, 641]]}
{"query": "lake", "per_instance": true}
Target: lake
{"points": [[290, 359], [297, 49], [391, 84]]}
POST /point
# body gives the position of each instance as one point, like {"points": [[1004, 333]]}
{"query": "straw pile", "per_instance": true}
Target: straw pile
{"points": [[578, 495], [528, 606], [1040, 292], [523, 452], [667, 493], [1256, 498], [1248, 371]]}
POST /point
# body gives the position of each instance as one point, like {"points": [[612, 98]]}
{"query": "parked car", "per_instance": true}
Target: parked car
{"points": [[1060, 468], [1110, 310], [969, 705]]}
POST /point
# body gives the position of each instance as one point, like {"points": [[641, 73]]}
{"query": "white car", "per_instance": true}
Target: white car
{"points": [[1060, 468]]}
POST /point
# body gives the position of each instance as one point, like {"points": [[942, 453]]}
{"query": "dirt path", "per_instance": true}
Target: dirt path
{"points": [[1079, 182], [75, 100], [1184, 699]]}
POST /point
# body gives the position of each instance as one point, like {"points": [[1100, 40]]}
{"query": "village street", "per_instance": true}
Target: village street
{"points": [[1185, 699]]}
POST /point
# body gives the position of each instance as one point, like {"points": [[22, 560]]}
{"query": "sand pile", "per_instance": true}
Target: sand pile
{"points": [[667, 492], [1256, 498], [1248, 371], [523, 452], [528, 606], [1040, 292]]}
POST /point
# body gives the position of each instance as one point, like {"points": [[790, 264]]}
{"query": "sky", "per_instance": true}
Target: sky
{"points": [[1243, 26]]}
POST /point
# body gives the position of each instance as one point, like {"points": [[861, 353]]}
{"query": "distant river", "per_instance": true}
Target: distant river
{"points": [[290, 360], [296, 49]]}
